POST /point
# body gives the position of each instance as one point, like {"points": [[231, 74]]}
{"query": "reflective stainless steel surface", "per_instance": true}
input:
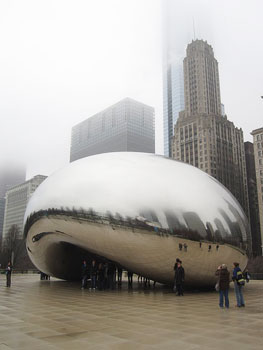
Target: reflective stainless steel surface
{"points": [[135, 209]]}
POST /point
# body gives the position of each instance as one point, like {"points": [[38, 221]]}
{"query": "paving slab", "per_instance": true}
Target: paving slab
{"points": [[59, 315]]}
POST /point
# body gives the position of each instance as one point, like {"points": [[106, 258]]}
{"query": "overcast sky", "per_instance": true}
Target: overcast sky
{"points": [[62, 61]]}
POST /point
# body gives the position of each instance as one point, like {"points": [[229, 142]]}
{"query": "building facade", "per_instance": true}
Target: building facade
{"points": [[11, 174], [173, 101], [253, 199], [17, 198], [204, 137], [126, 126], [258, 153]]}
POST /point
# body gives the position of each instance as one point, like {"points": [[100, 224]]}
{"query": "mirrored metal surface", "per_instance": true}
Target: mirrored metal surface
{"points": [[132, 191]]}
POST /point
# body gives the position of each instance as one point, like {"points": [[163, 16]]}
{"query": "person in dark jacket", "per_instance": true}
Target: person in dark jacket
{"points": [[179, 278], [111, 273], [8, 272], [93, 274], [175, 268], [119, 276], [84, 274], [223, 280], [239, 282], [130, 275], [101, 276]]}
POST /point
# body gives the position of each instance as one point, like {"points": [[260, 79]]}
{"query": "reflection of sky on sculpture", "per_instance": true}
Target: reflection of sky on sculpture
{"points": [[129, 183]]}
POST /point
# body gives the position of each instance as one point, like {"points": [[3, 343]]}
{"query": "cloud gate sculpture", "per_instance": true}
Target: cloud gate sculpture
{"points": [[141, 211]]}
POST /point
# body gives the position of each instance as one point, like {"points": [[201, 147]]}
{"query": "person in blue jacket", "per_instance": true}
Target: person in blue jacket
{"points": [[239, 283]]}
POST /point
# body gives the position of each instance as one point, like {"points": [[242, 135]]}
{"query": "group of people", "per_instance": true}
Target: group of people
{"points": [[106, 275], [223, 284], [102, 275]]}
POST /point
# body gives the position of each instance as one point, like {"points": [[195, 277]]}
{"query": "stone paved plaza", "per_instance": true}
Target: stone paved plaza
{"points": [[59, 315]]}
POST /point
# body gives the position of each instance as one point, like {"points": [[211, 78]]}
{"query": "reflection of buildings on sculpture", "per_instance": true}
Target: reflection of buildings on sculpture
{"points": [[258, 152], [113, 206], [202, 136], [253, 197], [127, 126], [17, 198]]}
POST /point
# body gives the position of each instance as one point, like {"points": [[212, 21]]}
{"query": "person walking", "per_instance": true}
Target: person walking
{"points": [[179, 279], [239, 283], [8, 272], [223, 281]]}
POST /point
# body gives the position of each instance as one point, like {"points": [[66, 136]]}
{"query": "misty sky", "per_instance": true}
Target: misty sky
{"points": [[62, 61]]}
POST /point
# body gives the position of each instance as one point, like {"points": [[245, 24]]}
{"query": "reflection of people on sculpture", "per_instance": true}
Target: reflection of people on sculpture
{"points": [[180, 246], [185, 247], [209, 248], [223, 284]]}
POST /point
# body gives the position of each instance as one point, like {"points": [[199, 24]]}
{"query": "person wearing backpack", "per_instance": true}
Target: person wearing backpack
{"points": [[239, 283]]}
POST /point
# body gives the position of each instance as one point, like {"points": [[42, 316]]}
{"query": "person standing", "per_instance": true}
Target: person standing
{"points": [[130, 275], [175, 268], [84, 274], [8, 272], [101, 276], [93, 274], [111, 272], [223, 280], [119, 276], [179, 278], [239, 283]]}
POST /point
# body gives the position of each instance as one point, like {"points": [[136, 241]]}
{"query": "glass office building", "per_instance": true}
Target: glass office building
{"points": [[127, 126], [173, 100]]}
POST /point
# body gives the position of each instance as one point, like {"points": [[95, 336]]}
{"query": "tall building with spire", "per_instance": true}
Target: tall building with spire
{"points": [[173, 79], [204, 137]]}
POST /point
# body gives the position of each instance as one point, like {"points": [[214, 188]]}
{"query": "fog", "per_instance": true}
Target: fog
{"points": [[62, 61]]}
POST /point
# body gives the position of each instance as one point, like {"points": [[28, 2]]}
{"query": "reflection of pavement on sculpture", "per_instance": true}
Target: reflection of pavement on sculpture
{"points": [[135, 209], [145, 253], [43, 315]]}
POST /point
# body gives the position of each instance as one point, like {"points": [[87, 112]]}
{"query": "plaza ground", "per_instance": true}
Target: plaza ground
{"points": [[56, 314]]}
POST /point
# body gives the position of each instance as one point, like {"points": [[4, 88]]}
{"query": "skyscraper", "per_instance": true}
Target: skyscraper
{"points": [[253, 199], [173, 101], [201, 78], [173, 80], [202, 136], [178, 29], [126, 126], [258, 152]]}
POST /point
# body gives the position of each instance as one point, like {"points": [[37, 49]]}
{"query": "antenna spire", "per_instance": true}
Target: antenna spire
{"points": [[194, 27]]}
